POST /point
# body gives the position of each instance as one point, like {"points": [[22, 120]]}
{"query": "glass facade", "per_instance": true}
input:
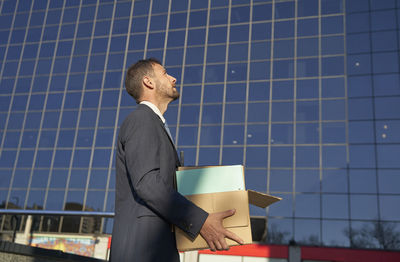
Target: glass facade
{"points": [[305, 94]]}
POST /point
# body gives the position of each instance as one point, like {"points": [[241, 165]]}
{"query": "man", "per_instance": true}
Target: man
{"points": [[147, 204]]}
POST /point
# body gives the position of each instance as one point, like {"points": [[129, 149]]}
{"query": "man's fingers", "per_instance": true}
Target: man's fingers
{"points": [[224, 244], [234, 237], [214, 232], [228, 213], [218, 245], [211, 245]]}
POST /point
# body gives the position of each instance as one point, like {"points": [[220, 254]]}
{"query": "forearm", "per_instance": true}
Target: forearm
{"points": [[169, 204]]}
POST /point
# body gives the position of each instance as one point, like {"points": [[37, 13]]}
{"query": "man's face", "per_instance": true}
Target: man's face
{"points": [[165, 84]]}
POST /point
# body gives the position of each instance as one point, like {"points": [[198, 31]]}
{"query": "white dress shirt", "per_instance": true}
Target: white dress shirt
{"points": [[154, 108]]}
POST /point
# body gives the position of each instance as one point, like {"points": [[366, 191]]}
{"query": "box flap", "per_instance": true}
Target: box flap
{"points": [[260, 199], [222, 201]]}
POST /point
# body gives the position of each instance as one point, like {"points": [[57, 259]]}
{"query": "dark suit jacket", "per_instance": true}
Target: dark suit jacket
{"points": [[146, 203]]}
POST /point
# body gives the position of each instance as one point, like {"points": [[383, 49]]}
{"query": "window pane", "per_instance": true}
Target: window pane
{"points": [[333, 110], [333, 87], [210, 135], [257, 156], [333, 232], [385, 63], [389, 181], [233, 134], [234, 113], [261, 31], [282, 111], [307, 27], [284, 29], [282, 134], [358, 43], [307, 133], [307, 205], [262, 12], [334, 181], [188, 135], [307, 156], [388, 156], [218, 16], [256, 179], [363, 207], [361, 132], [98, 179], [66, 138], [332, 45], [194, 55], [359, 86], [382, 41], [81, 158], [101, 158], [334, 132], [281, 156], [281, 181], [386, 207], [55, 200], [383, 20], [190, 115], [283, 48], [358, 22], [307, 181], [387, 107], [362, 156], [216, 53], [387, 84], [307, 47], [78, 178], [363, 181], [358, 64], [58, 178], [238, 52], [21, 178], [334, 156], [388, 131], [335, 206], [232, 156]]}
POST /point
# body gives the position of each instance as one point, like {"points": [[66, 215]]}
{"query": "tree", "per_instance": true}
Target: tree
{"points": [[378, 234], [275, 236]]}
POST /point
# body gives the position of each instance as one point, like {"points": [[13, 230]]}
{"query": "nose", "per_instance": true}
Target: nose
{"points": [[173, 79]]}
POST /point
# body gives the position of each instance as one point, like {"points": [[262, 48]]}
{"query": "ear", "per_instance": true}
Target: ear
{"points": [[148, 82]]}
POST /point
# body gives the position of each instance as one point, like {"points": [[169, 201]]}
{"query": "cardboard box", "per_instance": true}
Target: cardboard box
{"points": [[218, 189]]}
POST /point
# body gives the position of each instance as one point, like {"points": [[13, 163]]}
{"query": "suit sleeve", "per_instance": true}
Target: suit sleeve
{"points": [[142, 151]]}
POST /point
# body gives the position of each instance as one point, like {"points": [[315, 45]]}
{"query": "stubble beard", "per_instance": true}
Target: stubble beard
{"points": [[175, 94], [165, 92]]}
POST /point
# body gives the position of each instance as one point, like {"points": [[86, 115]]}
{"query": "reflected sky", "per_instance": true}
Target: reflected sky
{"points": [[304, 94]]}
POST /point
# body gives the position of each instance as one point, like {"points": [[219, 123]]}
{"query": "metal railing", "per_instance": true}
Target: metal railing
{"points": [[55, 213], [15, 220]]}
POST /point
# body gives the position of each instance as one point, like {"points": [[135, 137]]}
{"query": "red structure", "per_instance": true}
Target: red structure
{"points": [[311, 253]]}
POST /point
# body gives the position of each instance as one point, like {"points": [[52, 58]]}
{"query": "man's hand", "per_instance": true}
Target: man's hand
{"points": [[214, 232]]}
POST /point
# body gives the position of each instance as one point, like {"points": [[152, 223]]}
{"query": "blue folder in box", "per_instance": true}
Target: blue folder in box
{"points": [[210, 180]]}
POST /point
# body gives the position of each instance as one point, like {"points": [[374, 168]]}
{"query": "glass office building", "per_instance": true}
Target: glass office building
{"points": [[305, 94]]}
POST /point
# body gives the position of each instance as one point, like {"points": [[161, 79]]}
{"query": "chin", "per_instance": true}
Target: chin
{"points": [[175, 96]]}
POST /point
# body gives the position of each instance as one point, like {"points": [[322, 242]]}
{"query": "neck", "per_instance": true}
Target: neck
{"points": [[161, 105]]}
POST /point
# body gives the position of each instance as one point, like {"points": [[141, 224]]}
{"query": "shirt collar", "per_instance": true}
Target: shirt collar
{"points": [[155, 109]]}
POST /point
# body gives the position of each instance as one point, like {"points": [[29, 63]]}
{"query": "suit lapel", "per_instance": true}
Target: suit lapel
{"points": [[160, 122], [170, 140]]}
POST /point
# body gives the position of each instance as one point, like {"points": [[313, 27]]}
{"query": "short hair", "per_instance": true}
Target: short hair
{"points": [[135, 74]]}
